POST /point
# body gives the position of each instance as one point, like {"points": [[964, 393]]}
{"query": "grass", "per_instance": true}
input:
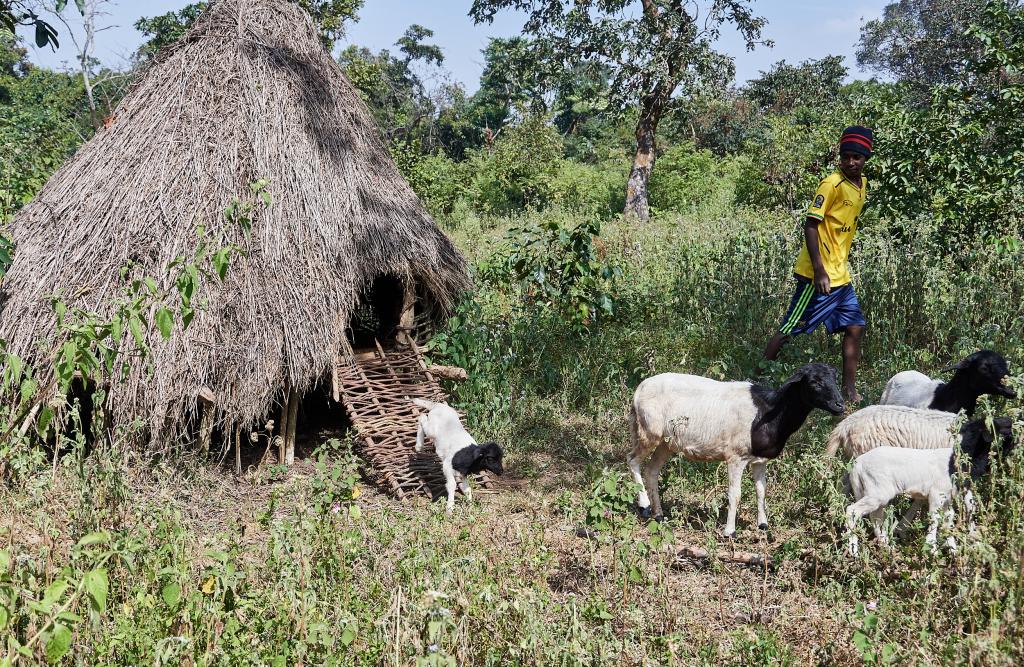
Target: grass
{"points": [[310, 566]]}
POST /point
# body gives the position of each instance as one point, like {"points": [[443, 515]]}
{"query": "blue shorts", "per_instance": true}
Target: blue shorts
{"points": [[838, 309]]}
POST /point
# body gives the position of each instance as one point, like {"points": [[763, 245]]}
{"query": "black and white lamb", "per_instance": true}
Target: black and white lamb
{"points": [[984, 372], [932, 475], [735, 422], [459, 453]]}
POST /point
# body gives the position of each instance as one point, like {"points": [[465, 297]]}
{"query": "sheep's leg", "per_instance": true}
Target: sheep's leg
{"points": [[421, 425], [464, 487], [907, 520], [936, 504], [736, 468], [642, 447], [878, 524], [757, 471], [449, 480], [652, 471], [854, 513], [635, 461]]}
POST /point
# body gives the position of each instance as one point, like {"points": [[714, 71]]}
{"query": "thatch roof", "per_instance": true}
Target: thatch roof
{"points": [[248, 94]]}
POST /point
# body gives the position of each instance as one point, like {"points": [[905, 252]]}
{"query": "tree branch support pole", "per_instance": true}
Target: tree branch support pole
{"points": [[207, 407], [289, 421], [289, 418]]}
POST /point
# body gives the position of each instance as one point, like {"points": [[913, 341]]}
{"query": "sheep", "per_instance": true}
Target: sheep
{"points": [[735, 422], [984, 372], [892, 426], [459, 453], [881, 474]]}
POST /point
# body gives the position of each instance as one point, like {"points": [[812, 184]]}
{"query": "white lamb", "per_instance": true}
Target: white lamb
{"points": [[735, 422], [458, 451], [883, 473]]}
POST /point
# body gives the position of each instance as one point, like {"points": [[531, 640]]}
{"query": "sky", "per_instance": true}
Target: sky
{"points": [[801, 30]]}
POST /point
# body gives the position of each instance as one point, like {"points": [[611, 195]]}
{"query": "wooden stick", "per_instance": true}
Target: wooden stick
{"points": [[281, 447], [450, 372], [238, 451], [742, 557], [293, 419]]}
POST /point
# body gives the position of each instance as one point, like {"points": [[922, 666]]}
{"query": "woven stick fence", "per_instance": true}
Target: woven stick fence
{"points": [[376, 387]]}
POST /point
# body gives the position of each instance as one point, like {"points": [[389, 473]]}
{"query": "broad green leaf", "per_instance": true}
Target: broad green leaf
{"points": [[81, 6], [5, 560], [348, 635], [5, 616], [135, 324], [98, 537], [54, 592], [59, 643], [171, 593], [97, 585], [165, 322]]}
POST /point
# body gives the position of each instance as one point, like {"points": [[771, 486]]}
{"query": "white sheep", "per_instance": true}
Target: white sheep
{"points": [[735, 422], [931, 475], [984, 372], [458, 451], [891, 426]]}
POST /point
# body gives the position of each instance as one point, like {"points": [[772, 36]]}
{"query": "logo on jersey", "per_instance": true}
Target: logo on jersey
{"points": [[818, 201]]}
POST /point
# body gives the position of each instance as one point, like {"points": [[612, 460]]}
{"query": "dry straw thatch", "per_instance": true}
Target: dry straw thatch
{"points": [[249, 94]]}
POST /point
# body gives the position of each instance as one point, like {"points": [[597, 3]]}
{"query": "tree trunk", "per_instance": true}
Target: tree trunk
{"points": [[643, 160]]}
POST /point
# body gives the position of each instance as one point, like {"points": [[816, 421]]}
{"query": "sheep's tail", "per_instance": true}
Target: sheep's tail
{"points": [[419, 435], [835, 441], [423, 403]]}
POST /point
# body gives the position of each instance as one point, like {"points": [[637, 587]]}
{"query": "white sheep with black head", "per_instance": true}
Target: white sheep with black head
{"points": [[459, 452], [737, 422], [984, 372]]}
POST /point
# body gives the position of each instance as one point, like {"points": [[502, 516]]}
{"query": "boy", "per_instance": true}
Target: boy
{"points": [[823, 291]]}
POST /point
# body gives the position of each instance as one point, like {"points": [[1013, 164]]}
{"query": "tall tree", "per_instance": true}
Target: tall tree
{"points": [[653, 49], [922, 42]]}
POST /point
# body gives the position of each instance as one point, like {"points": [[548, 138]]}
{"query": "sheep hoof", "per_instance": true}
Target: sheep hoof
{"points": [[659, 518], [645, 512], [763, 526]]}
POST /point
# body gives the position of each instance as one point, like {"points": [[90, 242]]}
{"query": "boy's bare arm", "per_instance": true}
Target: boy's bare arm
{"points": [[822, 283]]}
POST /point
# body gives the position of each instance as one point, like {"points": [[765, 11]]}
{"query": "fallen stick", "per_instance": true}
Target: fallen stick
{"points": [[450, 372], [742, 557]]}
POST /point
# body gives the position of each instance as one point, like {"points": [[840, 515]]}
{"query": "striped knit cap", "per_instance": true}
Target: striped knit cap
{"points": [[857, 139]]}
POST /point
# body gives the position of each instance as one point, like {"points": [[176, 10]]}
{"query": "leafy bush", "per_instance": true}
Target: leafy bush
{"points": [[517, 171], [561, 266], [684, 178]]}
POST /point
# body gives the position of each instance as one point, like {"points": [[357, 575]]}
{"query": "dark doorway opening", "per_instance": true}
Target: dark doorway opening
{"points": [[378, 313]]}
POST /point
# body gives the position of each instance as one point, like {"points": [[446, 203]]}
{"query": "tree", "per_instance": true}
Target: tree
{"points": [[43, 119], [785, 87], [389, 84], [652, 48], [163, 30], [922, 42]]}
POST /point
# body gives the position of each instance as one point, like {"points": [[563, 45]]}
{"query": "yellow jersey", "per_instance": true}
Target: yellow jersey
{"points": [[836, 206]]}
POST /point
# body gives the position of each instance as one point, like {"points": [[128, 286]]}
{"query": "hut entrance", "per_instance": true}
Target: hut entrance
{"points": [[378, 313]]}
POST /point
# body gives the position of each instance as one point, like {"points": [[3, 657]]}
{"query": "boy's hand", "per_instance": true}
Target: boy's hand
{"points": [[822, 283]]}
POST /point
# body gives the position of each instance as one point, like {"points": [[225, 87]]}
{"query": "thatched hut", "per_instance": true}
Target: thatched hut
{"points": [[248, 94]]}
